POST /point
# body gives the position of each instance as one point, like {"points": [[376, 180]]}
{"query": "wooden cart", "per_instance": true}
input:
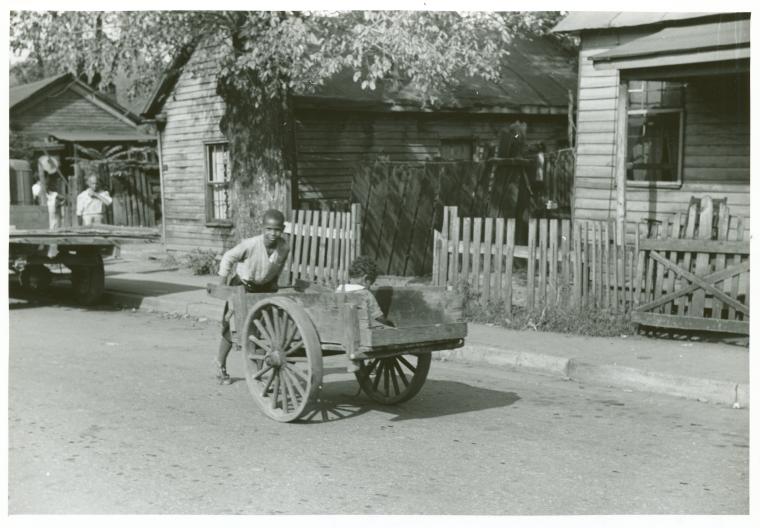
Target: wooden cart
{"points": [[284, 337]]}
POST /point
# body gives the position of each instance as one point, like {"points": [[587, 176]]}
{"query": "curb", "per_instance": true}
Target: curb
{"points": [[702, 389]]}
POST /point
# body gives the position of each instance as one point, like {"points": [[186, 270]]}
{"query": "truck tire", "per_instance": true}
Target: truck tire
{"points": [[36, 278], [88, 282]]}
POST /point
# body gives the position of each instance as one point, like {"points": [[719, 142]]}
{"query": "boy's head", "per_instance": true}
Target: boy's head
{"points": [[92, 182], [273, 226], [363, 271]]}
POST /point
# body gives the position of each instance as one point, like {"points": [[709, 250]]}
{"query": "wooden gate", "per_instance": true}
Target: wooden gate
{"points": [[695, 276]]}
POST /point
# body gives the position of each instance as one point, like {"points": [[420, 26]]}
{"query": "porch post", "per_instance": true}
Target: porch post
{"points": [[621, 138]]}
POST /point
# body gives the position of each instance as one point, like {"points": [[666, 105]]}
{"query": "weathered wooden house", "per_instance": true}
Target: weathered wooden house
{"points": [[663, 112], [342, 126], [55, 116]]}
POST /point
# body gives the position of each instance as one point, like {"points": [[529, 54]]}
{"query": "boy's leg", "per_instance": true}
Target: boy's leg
{"points": [[225, 345]]}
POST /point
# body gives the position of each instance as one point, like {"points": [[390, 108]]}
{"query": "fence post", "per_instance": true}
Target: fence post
{"points": [[499, 257], [454, 241], [443, 256], [488, 248], [356, 217], [576, 239], [466, 238], [543, 234], [510, 257]]}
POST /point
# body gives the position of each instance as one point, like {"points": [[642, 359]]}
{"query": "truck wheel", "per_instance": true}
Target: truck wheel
{"points": [[88, 282], [36, 278]]}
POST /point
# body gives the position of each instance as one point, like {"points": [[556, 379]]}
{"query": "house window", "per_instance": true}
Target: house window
{"points": [[456, 149], [655, 132], [217, 184]]}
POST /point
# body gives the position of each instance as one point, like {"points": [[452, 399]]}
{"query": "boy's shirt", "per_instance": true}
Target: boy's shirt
{"points": [[251, 261], [373, 308]]}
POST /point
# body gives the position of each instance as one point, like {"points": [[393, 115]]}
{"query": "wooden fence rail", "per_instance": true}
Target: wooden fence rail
{"points": [[323, 244], [681, 273]]}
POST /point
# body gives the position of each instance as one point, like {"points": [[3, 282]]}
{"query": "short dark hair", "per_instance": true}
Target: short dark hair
{"points": [[273, 214], [362, 266]]}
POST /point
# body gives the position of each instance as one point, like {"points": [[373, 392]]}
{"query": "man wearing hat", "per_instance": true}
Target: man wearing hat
{"points": [[255, 263]]}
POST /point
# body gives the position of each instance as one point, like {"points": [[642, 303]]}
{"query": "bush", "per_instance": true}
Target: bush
{"points": [[568, 320], [202, 261]]}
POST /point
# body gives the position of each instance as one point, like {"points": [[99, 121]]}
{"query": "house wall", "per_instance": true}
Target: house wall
{"points": [[716, 144], [332, 144], [65, 110]]}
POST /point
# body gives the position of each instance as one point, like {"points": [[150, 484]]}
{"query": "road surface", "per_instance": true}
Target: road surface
{"points": [[118, 412]]}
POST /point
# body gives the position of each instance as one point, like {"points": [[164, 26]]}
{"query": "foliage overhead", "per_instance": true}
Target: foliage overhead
{"points": [[279, 52]]}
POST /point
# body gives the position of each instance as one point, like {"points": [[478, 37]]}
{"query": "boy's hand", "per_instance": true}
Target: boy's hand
{"points": [[223, 280]]}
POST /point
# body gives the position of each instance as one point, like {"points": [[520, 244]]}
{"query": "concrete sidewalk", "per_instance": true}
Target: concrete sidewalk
{"points": [[710, 372]]}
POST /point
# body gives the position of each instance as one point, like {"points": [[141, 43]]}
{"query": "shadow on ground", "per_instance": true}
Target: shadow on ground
{"points": [[342, 400]]}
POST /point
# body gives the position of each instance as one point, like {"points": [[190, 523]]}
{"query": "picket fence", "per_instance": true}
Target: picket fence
{"points": [[323, 244], [665, 274]]}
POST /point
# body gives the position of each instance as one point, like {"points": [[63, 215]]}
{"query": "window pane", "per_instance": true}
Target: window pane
{"points": [[218, 178], [653, 147], [644, 95]]}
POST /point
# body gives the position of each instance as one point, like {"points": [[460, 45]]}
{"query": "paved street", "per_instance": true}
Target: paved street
{"points": [[118, 412]]}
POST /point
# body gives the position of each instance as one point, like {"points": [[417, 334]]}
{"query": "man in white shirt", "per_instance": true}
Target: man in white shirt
{"points": [[91, 203], [255, 263]]}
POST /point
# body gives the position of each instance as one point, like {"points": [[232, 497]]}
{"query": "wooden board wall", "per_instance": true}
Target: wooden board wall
{"points": [[716, 146], [331, 145]]}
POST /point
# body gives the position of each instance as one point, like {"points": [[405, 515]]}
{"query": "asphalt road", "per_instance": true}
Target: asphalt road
{"points": [[118, 412]]}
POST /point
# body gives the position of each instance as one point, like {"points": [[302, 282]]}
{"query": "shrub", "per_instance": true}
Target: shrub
{"points": [[202, 261]]}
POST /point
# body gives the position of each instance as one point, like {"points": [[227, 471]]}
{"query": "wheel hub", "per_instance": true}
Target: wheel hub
{"points": [[275, 358]]}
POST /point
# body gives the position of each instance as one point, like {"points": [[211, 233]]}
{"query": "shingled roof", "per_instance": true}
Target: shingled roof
{"points": [[589, 20]]}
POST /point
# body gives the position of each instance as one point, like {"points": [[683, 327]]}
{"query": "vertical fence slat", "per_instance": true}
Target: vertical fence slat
{"points": [[454, 221], [720, 258], [531, 264], [436, 256], [488, 247], [738, 235], [466, 238], [565, 291], [640, 268], [303, 258], [594, 251], [508, 264], [662, 229], [703, 259], [553, 250], [615, 270], [650, 272], [577, 275], [443, 256], [288, 275], [341, 242], [476, 254], [332, 272], [669, 285], [498, 292], [356, 219], [543, 235], [314, 247]]}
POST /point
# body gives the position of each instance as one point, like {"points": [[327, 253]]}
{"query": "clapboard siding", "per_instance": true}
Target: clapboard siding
{"points": [[66, 110], [716, 143]]}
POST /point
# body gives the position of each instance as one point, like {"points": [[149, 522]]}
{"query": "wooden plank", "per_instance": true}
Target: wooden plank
{"points": [[322, 256], [286, 277], [332, 272], [313, 247], [531, 271], [487, 259], [443, 257], [346, 245], [691, 222], [553, 250], [508, 264], [454, 221], [705, 246], [657, 292], [594, 269], [639, 271], [498, 275], [690, 323], [466, 238], [670, 280], [419, 334], [437, 242], [298, 231], [476, 257], [542, 262], [565, 248], [738, 234], [701, 266], [649, 285]]}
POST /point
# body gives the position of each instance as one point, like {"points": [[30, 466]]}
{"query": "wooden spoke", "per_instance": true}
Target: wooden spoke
{"points": [[285, 394], [295, 346], [269, 384], [277, 325], [297, 359], [261, 372], [401, 373], [294, 383], [377, 378], [405, 362], [275, 390], [372, 367], [258, 342], [386, 383], [291, 332], [392, 369], [264, 334], [300, 374], [270, 328]]}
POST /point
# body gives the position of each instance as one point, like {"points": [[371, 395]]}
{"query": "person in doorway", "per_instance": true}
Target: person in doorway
{"points": [[91, 203], [255, 263]]}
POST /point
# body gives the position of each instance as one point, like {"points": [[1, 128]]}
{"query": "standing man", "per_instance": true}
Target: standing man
{"points": [[257, 262], [91, 203]]}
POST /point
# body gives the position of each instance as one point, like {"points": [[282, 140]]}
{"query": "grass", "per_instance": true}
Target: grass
{"points": [[562, 319]]}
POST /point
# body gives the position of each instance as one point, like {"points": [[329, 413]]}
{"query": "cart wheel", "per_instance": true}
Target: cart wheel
{"points": [[283, 358], [394, 379], [35, 278], [88, 282]]}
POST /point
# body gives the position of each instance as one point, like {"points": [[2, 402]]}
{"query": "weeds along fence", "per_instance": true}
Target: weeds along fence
{"points": [[655, 274], [323, 244]]}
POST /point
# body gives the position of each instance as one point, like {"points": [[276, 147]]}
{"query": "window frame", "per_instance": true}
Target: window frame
{"points": [[208, 186], [678, 183]]}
